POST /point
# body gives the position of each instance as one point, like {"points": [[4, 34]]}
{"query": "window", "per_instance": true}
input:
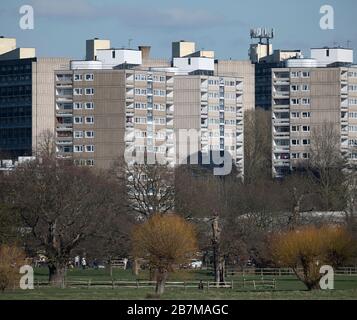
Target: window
{"points": [[89, 105], [140, 92], [295, 155], [189, 61], [78, 120], [77, 106], [305, 87], [306, 142], [160, 107], [295, 142], [160, 121], [295, 115], [352, 88], [295, 102], [78, 149], [90, 162], [90, 148], [305, 101], [89, 91], [306, 74], [141, 120], [89, 77], [295, 74], [352, 128], [306, 114], [113, 54], [78, 134], [352, 115], [306, 128], [77, 91], [89, 134], [306, 155], [90, 120], [140, 77], [295, 128], [78, 77], [140, 105], [353, 102], [294, 87]]}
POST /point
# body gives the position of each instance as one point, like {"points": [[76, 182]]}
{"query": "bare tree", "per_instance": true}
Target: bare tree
{"points": [[327, 164], [257, 145], [150, 188], [61, 206]]}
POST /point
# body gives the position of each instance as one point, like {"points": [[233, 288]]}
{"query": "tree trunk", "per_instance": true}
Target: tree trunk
{"points": [[161, 278], [216, 263], [222, 271], [57, 274], [136, 266]]}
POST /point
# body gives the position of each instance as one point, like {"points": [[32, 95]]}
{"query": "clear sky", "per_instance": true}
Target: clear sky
{"points": [[62, 26]]}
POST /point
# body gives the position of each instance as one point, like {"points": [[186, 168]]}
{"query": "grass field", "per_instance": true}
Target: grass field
{"points": [[288, 288]]}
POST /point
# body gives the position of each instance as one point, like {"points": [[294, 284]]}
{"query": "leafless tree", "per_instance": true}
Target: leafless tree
{"points": [[150, 188], [257, 145], [61, 206], [327, 164]]}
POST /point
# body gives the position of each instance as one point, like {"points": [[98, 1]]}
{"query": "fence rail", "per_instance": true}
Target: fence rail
{"points": [[279, 272], [203, 285]]}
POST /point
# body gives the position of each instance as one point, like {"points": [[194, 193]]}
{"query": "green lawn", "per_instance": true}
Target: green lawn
{"points": [[288, 287]]}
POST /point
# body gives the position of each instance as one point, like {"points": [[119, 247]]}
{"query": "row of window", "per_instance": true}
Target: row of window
{"points": [[155, 92], [217, 95], [87, 120], [156, 106], [303, 87], [83, 105], [303, 101], [352, 87], [23, 77], [300, 74], [86, 148], [84, 162], [304, 155], [228, 83], [87, 77], [155, 78], [296, 115], [79, 91], [297, 142], [83, 134], [144, 120], [352, 74], [300, 128]]}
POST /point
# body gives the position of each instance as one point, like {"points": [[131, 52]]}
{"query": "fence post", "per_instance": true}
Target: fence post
{"points": [[254, 284], [184, 284], [137, 284], [207, 285], [232, 284], [244, 283], [113, 286], [89, 283]]}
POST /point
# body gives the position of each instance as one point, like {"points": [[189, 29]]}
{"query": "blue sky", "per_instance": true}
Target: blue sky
{"points": [[62, 26]]}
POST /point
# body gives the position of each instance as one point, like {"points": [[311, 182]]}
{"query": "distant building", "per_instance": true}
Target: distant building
{"points": [[306, 94], [26, 98]]}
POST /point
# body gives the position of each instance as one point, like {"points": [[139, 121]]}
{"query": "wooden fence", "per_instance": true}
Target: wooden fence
{"points": [[279, 272], [204, 285]]}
